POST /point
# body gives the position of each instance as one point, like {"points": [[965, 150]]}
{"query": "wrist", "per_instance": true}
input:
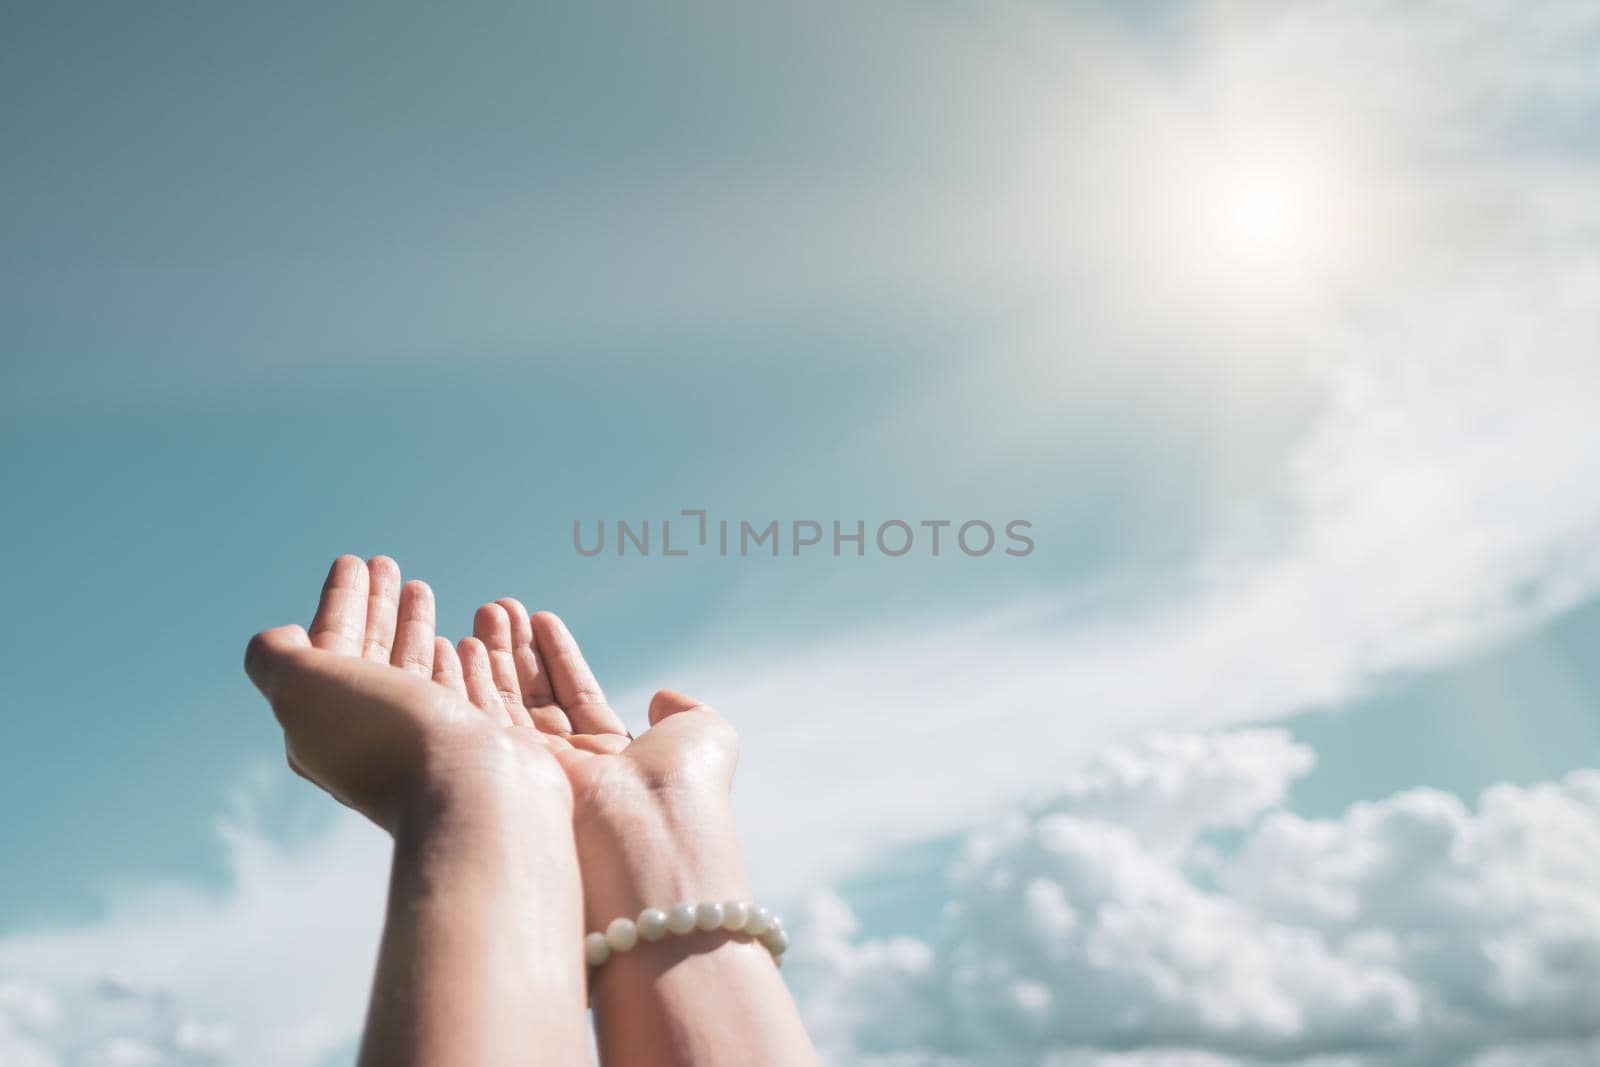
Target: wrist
{"points": [[470, 852], [486, 789], [487, 844], [661, 848]]}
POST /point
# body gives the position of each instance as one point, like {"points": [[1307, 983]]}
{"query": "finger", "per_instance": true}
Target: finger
{"points": [[413, 635], [267, 652], [537, 696], [383, 599], [492, 626], [669, 702], [558, 743], [571, 758], [604, 744], [447, 667], [264, 657], [341, 619], [480, 679], [531, 676], [576, 689]]}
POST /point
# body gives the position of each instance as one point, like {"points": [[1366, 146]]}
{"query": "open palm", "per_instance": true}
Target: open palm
{"points": [[371, 698], [540, 677]]}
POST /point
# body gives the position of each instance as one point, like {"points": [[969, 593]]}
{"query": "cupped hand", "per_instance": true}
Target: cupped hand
{"points": [[641, 805], [542, 678], [382, 713]]}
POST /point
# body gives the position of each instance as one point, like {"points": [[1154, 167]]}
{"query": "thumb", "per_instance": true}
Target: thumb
{"points": [[268, 651], [668, 702]]}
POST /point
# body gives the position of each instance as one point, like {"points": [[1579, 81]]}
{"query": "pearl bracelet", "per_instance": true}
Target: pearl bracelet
{"points": [[734, 916]]}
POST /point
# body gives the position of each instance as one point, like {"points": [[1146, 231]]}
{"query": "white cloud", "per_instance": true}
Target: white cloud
{"points": [[1169, 787], [1413, 930], [272, 971], [25, 1012]]}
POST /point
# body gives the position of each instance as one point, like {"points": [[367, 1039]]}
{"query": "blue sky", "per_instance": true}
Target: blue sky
{"points": [[1278, 328]]}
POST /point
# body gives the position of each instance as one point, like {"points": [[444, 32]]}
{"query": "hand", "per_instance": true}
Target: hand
{"points": [[389, 719], [654, 828], [386, 716], [652, 815]]}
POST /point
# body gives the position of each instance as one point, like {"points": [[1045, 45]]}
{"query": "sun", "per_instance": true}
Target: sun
{"points": [[1256, 206], [1265, 215], [1251, 214]]}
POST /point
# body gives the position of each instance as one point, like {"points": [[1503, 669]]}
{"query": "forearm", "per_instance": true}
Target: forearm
{"points": [[706, 999], [480, 961]]}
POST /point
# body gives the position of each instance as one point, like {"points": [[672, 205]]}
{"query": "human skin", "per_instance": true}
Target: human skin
{"points": [[654, 827], [481, 960]]}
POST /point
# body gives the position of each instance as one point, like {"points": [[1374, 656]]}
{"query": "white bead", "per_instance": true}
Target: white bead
{"points": [[735, 913], [652, 924], [595, 949], [758, 922], [680, 920], [708, 915], [776, 940], [622, 935]]}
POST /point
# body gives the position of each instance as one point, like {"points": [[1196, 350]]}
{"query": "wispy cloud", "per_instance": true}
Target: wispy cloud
{"points": [[1444, 500], [1443, 495]]}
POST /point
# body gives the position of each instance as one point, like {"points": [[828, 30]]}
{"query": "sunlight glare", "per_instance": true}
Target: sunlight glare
{"points": [[1265, 217]]}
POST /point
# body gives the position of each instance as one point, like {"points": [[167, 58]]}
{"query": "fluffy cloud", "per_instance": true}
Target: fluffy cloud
{"points": [[1170, 787], [1413, 930], [272, 971], [103, 1024]]}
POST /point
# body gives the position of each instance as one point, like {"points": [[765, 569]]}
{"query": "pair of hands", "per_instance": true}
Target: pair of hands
{"points": [[394, 721]]}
